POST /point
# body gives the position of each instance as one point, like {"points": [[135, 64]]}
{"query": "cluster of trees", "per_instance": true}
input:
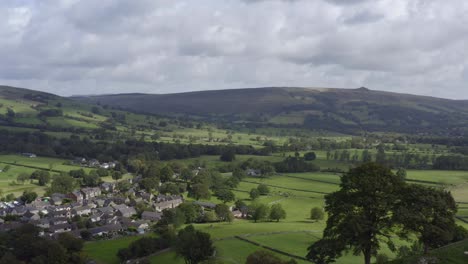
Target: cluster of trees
{"points": [[24, 245], [404, 159], [50, 113], [142, 247], [192, 245], [45, 145], [260, 212], [262, 189], [451, 163], [265, 168], [374, 205], [295, 164]]}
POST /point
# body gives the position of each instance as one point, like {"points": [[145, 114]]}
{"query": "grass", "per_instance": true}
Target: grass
{"points": [[451, 254], [105, 251]]}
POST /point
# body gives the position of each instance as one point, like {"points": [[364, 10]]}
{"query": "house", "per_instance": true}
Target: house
{"points": [[90, 192], [205, 205], [145, 196], [126, 212], [96, 217], [104, 166], [104, 230], [61, 228], [167, 202], [29, 216], [57, 198], [20, 210], [151, 216], [58, 220], [79, 160], [93, 163], [99, 202], [253, 173], [29, 155], [108, 186], [39, 204], [76, 196], [43, 223], [106, 210], [82, 210]]}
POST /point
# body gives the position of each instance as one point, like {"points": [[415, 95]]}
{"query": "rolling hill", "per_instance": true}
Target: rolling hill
{"points": [[341, 110]]}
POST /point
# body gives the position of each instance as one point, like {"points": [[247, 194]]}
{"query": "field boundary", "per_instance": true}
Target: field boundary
{"points": [[307, 179], [29, 166], [271, 249], [286, 188]]}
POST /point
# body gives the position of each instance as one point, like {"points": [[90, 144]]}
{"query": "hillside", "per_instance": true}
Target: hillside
{"points": [[340, 110]]}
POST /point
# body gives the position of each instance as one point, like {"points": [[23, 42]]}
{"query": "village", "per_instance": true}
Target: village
{"points": [[107, 212], [101, 212]]}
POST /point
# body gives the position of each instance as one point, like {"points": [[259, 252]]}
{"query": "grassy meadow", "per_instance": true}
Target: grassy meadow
{"points": [[298, 193]]}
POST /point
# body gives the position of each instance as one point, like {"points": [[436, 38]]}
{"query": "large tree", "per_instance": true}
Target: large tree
{"points": [[429, 213], [193, 245], [360, 213], [277, 212]]}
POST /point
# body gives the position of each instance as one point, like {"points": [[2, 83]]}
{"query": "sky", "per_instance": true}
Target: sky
{"points": [[71, 47]]}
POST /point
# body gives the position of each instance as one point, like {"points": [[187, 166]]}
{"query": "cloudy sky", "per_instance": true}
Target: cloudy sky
{"points": [[164, 46]]}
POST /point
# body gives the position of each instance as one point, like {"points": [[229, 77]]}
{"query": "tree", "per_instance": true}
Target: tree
{"points": [[223, 212], [6, 168], [116, 175], [366, 156], [192, 212], [429, 213], [265, 257], [254, 194], [401, 172], [277, 212], [166, 173], [92, 179], [381, 157], [77, 173], [62, 184], [149, 184], [28, 196], [44, 178], [228, 155], [22, 177], [258, 211], [10, 113], [225, 195], [239, 173], [263, 189], [186, 174], [70, 243], [310, 156], [124, 186], [200, 191], [193, 245], [102, 172], [360, 213], [316, 214]]}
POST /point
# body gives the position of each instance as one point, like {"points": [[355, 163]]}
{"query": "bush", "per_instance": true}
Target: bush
{"points": [[316, 214]]}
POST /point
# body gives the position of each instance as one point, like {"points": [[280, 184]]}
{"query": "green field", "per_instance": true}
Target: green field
{"points": [[298, 193], [105, 251]]}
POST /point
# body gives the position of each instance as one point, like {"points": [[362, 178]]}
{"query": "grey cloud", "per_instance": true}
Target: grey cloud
{"points": [[83, 47]]}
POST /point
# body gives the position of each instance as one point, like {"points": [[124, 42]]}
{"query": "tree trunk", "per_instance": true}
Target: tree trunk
{"points": [[367, 256]]}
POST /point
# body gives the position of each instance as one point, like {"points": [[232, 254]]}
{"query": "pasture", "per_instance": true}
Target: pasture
{"points": [[298, 193]]}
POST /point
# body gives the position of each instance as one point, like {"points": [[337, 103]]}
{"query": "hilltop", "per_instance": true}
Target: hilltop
{"points": [[340, 110]]}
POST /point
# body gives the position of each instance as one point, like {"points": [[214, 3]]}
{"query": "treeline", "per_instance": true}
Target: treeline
{"points": [[25, 245], [451, 163], [45, 145]]}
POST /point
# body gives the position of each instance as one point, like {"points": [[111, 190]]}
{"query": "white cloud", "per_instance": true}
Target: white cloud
{"points": [[82, 47]]}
